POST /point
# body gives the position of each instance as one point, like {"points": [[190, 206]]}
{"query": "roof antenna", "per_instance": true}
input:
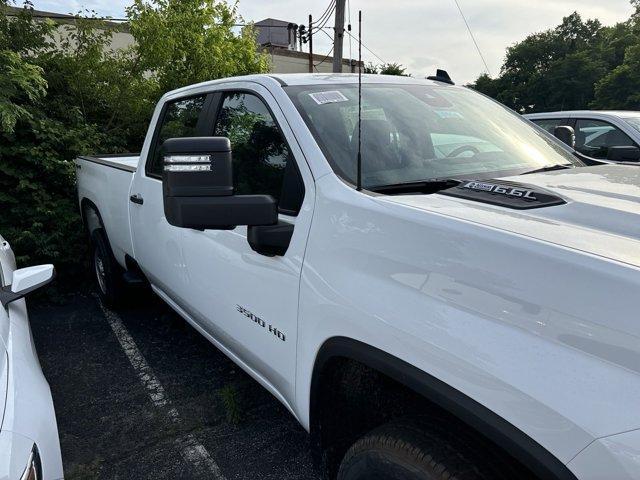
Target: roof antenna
{"points": [[359, 174]]}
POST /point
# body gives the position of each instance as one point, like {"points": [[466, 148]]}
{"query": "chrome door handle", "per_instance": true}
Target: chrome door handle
{"points": [[136, 199]]}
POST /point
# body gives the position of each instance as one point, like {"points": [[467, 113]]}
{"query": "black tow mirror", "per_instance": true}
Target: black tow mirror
{"points": [[566, 135], [197, 184], [623, 154]]}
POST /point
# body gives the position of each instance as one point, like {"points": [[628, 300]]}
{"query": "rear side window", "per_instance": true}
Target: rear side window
{"points": [[181, 118]]}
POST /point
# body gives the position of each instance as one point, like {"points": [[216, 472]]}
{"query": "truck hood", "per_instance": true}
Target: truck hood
{"points": [[601, 215]]}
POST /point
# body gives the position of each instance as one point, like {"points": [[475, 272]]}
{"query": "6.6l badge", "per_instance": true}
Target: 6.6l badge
{"points": [[505, 194], [501, 190]]}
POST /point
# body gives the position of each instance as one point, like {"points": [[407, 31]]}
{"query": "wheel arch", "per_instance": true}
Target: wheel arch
{"points": [[512, 440], [91, 218]]}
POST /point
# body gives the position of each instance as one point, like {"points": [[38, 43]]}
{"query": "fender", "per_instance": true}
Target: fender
{"points": [[90, 216], [514, 441], [92, 221]]}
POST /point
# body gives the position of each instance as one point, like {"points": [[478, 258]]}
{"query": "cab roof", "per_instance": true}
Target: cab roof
{"points": [[293, 79], [574, 113], [345, 78]]}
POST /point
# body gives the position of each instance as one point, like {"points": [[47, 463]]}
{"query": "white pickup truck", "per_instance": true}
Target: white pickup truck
{"points": [[464, 305]]}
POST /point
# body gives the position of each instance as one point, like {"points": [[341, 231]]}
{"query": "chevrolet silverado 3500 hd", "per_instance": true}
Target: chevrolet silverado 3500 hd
{"points": [[472, 311]]}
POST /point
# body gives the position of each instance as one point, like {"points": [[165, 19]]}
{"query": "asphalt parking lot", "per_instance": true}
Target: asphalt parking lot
{"points": [[140, 394]]}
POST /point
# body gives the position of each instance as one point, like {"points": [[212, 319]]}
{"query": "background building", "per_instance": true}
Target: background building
{"points": [[276, 38]]}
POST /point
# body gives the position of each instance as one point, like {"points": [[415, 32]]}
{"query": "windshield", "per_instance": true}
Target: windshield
{"points": [[634, 122], [411, 133]]}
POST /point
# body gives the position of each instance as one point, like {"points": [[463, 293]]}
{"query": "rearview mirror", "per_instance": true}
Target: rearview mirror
{"points": [[25, 281], [197, 184], [623, 154], [566, 135]]}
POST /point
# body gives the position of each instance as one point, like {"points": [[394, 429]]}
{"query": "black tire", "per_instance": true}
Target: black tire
{"points": [[415, 450], [107, 272]]}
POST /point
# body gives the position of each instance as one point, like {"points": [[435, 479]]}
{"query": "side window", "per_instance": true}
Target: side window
{"points": [[550, 124], [260, 152], [594, 137], [180, 119]]}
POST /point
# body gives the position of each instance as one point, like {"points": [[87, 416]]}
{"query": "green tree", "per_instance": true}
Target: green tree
{"points": [[39, 215], [21, 85], [393, 69], [181, 42], [79, 96], [620, 88], [579, 64], [386, 69], [559, 68], [371, 68]]}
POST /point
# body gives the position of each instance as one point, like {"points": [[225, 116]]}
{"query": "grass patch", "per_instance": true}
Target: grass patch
{"points": [[231, 401]]}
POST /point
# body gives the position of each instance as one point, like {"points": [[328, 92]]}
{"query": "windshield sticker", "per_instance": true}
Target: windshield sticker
{"points": [[328, 97]]}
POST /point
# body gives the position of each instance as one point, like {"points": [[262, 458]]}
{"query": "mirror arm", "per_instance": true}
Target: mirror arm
{"points": [[270, 240], [7, 296]]}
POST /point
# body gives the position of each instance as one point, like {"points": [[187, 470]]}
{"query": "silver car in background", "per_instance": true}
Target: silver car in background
{"points": [[29, 445], [600, 135]]}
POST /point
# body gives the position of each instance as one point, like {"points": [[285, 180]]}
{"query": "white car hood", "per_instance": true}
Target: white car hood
{"points": [[601, 215]]}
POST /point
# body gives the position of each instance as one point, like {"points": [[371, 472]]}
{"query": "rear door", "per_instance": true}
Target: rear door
{"points": [[157, 245], [248, 301]]}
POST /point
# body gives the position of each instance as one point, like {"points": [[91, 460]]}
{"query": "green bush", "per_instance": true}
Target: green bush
{"points": [[78, 97]]}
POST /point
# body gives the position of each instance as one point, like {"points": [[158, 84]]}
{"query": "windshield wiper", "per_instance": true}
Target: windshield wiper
{"points": [[423, 186], [551, 168]]}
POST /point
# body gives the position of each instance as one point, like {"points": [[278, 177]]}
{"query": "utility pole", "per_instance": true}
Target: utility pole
{"points": [[338, 36], [310, 44]]}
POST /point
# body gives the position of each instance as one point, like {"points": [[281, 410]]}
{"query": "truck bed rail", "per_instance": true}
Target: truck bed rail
{"points": [[121, 161]]}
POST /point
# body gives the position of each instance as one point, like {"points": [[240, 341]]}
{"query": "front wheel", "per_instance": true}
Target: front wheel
{"points": [[107, 272], [409, 450]]}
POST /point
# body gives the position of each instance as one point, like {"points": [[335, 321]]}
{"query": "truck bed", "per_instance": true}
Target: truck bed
{"points": [[122, 161]]}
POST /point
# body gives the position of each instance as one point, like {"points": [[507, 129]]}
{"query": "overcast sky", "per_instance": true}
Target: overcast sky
{"points": [[420, 34]]}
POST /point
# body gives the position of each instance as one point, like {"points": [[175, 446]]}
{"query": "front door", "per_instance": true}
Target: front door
{"points": [[248, 301], [595, 137]]}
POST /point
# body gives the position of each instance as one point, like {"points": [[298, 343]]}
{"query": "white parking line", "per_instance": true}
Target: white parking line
{"points": [[191, 450]]}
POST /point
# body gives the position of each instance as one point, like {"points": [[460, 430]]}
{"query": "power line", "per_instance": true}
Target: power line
{"points": [[473, 38], [326, 13], [327, 18], [323, 60], [325, 32], [366, 48]]}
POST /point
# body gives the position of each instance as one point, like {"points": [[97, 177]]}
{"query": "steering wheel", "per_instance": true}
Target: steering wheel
{"points": [[462, 149]]}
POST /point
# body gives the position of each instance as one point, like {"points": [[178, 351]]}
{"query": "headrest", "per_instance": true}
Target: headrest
{"points": [[377, 131]]}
